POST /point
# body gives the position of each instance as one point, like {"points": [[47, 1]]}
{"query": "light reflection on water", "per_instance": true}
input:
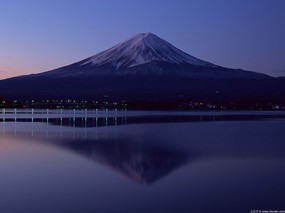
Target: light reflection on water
{"points": [[144, 166], [99, 118]]}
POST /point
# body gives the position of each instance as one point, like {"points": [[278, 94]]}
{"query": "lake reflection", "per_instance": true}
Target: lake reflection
{"points": [[141, 162], [233, 165]]}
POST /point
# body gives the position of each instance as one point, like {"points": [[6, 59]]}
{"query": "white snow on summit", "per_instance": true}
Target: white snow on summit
{"points": [[142, 49]]}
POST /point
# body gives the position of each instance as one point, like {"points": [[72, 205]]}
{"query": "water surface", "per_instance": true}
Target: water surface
{"points": [[142, 162]]}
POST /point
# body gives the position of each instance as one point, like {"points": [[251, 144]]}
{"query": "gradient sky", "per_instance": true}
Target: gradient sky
{"points": [[40, 35]]}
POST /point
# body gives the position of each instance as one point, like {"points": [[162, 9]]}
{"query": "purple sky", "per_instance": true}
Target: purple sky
{"points": [[40, 35]]}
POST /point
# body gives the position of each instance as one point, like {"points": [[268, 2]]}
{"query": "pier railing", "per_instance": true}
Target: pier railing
{"points": [[43, 113]]}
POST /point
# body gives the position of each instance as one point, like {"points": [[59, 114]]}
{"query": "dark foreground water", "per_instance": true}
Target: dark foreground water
{"points": [[144, 162]]}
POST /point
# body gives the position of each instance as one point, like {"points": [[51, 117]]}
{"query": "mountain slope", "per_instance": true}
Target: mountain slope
{"points": [[145, 54], [146, 67], [143, 48]]}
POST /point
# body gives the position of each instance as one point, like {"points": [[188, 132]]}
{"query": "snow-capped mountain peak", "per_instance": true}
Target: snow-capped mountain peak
{"points": [[141, 49]]}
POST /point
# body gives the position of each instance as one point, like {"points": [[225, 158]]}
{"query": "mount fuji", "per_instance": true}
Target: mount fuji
{"points": [[146, 67]]}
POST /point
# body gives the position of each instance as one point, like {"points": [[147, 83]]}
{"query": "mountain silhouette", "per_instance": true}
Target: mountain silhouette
{"points": [[146, 68]]}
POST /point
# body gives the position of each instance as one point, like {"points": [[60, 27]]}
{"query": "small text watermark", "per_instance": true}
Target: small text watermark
{"points": [[267, 211]]}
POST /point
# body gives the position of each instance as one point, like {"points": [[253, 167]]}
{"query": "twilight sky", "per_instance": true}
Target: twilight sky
{"points": [[40, 35]]}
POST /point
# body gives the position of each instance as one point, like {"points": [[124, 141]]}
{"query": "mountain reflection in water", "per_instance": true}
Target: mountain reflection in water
{"points": [[142, 162], [142, 158]]}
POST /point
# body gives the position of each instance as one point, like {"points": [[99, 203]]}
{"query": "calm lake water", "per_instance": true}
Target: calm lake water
{"points": [[141, 161]]}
